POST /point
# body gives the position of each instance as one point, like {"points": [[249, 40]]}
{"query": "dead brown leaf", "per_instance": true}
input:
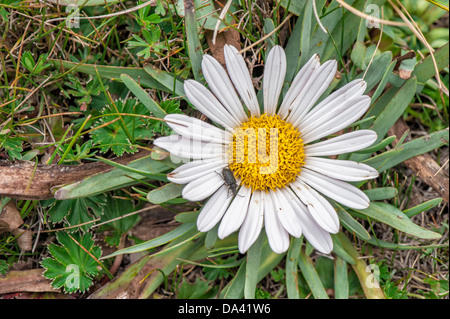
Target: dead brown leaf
{"points": [[25, 280]]}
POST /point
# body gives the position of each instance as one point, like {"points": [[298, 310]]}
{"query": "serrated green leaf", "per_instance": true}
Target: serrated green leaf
{"points": [[71, 266], [395, 218]]}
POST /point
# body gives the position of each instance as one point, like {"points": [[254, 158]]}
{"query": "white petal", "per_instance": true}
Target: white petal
{"points": [[316, 85], [321, 210], [237, 69], [319, 238], [298, 85], [235, 214], [337, 119], [202, 187], [278, 237], [214, 209], [221, 86], [185, 147], [252, 225], [341, 169], [340, 191], [195, 169], [274, 73], [345, 143], [208, 104], [196, 129], [348, 92], [286, 214]]}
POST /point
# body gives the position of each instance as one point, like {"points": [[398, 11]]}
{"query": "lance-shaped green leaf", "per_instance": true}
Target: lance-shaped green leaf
{"points": [[156, 242], [292, 268], [312, 278], [165, 193], [84, 3], [395, 218], [112, 73], [340, 279], [422, 207], [140, 169], [394, 109], [408, 150], [350, 223], [253, 261], [193, 42], [139, 92], [166, 80]]}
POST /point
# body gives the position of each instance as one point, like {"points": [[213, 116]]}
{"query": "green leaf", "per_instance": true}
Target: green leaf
{"points": [[350, 223], [167, 80], [422, 207], [292, 268], [159, 241], [306, 33], [112, 72], [408, 150], [381, 193], [341, 289], [77, 211], [253, 262], [145, 99], [193, 42], [115, 208], [114, 179], [83, 3], [71, 267], [395, 218], [394, 109], [340, 251], [425, 70], [312, 278], [165, 193], [123, 131]]}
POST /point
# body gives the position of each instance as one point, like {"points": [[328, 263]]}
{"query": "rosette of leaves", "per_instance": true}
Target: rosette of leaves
{"points": [[120, 127], [74, 263]]}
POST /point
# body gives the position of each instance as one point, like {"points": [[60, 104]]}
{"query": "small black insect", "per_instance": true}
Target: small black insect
{"points": [[230, 180]]}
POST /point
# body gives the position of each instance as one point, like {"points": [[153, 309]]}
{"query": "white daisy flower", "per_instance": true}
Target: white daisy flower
{"points": [[277, 154]]}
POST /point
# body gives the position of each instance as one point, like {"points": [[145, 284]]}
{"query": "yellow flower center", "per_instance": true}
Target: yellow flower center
{"points": [[267, 153]]}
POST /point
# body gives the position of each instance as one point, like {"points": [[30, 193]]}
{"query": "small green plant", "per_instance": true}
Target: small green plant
{"points": [[118, 130], [74, 263]]}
